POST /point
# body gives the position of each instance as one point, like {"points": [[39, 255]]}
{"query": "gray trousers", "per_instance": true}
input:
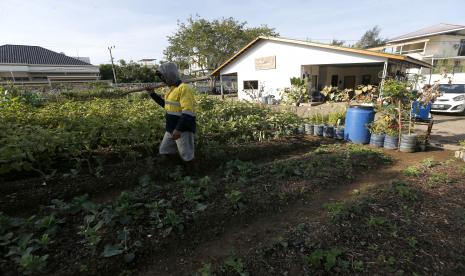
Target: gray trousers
{"points": [[184, 145]]}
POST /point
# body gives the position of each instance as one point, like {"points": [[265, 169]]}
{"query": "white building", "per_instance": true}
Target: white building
{"points": [[268, 63], [442, 45], [149, 62], [34, 64]]}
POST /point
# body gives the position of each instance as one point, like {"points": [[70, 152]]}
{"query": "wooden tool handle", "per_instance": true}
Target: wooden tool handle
{"points": [[159, 85]]}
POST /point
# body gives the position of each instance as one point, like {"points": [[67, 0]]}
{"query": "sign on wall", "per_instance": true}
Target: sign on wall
{"points": [[265, 63]]}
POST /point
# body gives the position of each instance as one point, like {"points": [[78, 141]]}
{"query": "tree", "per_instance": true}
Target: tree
{"points": [[106, 72], [336, 42], [206, 44], [371, 38], [127, 72]]}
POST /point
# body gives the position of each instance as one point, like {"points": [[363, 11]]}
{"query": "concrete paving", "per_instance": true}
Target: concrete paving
{"points": [[447, 131]]}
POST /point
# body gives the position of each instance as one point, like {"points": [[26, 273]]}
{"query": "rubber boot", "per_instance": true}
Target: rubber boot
{"points": [[192, 167]]}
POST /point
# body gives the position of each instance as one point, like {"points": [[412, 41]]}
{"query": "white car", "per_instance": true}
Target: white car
{"points": [[452, 99]]}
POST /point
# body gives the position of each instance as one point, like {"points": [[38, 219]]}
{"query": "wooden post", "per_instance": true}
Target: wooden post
{"points": [[400, 122], [221, 86]]}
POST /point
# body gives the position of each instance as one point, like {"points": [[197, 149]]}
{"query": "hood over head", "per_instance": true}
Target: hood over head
{"points": [[170, 73]]}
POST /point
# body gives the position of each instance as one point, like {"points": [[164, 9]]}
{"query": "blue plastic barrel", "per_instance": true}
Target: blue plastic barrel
{"points": [[357, 119], [420, 111]]}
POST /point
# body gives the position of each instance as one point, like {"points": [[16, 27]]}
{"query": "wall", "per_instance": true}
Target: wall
{"points": [[48, 68], [443, 46], [289, 59], [357, 71], [42, 71]]}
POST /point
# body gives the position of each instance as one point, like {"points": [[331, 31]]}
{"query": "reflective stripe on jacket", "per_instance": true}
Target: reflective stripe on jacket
{"points": [[180, 108]]}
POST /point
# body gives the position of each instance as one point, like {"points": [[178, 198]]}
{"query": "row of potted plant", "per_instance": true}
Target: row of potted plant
{"points": [[394, 127], [329, 125], [362, 94]]}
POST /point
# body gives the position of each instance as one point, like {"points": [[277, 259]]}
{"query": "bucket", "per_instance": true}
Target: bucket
{"points": [[318, 130], [339, 133], [377, 140], [328, 131], [309, 129], [357, 119], [391, 142], [408, 142]]}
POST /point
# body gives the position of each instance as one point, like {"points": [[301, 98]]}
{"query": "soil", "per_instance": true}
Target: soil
{"points": [[22, 196], [223, 231], [241, 239]]}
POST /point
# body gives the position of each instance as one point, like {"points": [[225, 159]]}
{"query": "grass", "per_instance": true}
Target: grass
{"points": [[412, 171], [438, 179], [429, 162], [404, 190]]}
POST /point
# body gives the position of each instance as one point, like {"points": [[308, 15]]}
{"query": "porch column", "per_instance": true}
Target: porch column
{"points": [[383, 77], [431, 69], [221, 86]]}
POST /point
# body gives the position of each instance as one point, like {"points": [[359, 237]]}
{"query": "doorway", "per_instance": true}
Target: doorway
{"points": [[349, 82]]}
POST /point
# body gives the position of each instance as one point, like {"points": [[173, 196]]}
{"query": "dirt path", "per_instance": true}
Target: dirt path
{"points": [[242, 238]]}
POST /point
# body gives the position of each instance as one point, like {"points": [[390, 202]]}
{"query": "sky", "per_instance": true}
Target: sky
{"points": [[139, 28]]}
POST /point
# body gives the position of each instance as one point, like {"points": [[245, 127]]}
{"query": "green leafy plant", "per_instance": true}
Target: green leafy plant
{"points": [[412, 171], [326, 258], [337, 210], [429, 163], [31, 264], [297, 93], [236, 264], [236, 199], [376, 221], [437, 179], [205, 270], [404, 190]]}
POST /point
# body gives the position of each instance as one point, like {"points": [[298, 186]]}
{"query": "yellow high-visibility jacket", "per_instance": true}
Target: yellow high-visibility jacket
{"points": [[179, 104]]}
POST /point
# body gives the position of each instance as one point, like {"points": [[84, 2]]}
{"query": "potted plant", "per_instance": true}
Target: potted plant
{"points": [[377, 134]]}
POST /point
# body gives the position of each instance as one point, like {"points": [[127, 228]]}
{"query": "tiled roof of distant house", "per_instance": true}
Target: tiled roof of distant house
{"points": [[23, 54]]}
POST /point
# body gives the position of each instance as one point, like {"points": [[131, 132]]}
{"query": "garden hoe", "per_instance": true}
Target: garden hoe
{"points": [[161, 84]]}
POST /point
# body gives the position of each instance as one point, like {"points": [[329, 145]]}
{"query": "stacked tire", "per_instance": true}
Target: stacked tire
{"points": [[309, 129], [318, 130], [328, 131], [339, 133], [408, 143], [391, 142], [377, 140]]}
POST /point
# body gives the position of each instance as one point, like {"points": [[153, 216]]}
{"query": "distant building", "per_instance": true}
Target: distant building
{"points": [[149, 62], [266, 65], [85, 59], [442, 45], [34, 64]]}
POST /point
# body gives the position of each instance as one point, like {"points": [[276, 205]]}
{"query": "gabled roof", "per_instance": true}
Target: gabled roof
{"points": [[23, 54], [324, 46], [441, 28]]}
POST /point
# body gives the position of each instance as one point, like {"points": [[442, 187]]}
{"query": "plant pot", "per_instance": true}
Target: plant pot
{"points": [[318, 130], [301, 130], [339, 133], [309, 129], [391, 142], [422, 147], [328, 131], [408, 143], [377, 140]]}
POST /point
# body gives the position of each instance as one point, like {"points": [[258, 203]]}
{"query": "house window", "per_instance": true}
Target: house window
{"points": [[334, 80], [251, 84], [458, 68], [462, 48], [366, 79]]}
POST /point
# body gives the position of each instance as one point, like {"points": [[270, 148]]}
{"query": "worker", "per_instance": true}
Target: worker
{"points": [[179, 104]]}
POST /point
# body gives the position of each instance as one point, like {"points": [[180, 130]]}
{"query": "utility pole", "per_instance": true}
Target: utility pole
{"points": [[112, 64]]}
